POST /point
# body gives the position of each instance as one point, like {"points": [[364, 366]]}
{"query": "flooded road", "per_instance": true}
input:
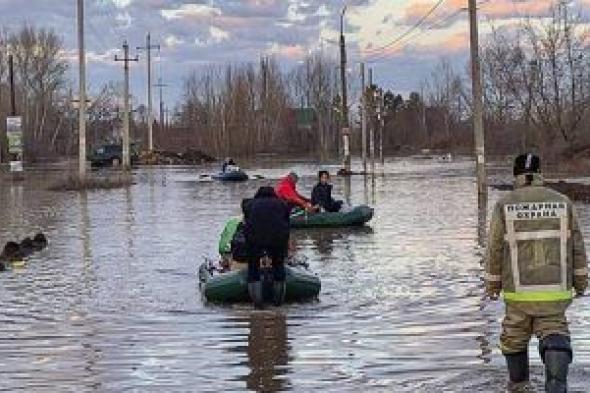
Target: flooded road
{"points": [[113, 304]]}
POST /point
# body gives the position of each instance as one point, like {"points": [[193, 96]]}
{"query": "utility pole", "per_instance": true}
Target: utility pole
{"points": [[345, 123], [148, 48], [478, 126], [82, 95], [373, 121], [423, 119], [11, 77], [126, 112], [381, 126], [363, 118], [161, 85]]}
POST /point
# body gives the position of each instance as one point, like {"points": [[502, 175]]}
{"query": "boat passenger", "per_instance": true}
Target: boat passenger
{"points": [[266, 231], [232, 242], [287, 191], [39, 241], [228, 165], [10, 253], [322, 194], [27, 247]]}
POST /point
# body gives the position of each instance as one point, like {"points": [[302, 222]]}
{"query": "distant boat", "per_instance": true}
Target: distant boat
{"points": [[231, 174]]}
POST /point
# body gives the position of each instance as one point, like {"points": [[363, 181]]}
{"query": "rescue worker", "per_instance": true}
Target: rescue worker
{"points": [[536, 257], [322, 194], [287, 191], [266, 230]]}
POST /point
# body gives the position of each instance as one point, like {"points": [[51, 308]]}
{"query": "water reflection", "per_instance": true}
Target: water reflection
{"points": [[482, 214], [89, 274], [129, 221], [268, 352], [325, 240], [347, 189]]}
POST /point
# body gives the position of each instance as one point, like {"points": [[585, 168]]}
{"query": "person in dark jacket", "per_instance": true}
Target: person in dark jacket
{"points": [[27, 246], [228, 163], [40, 241], [322, 194], [266, 230]]}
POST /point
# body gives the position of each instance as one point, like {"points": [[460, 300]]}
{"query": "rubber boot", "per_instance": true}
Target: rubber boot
{"points": [[255, 292], [518, 368], [279, 289], [556, 370]]}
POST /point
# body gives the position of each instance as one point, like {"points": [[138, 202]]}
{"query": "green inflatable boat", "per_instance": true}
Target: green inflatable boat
{"points": [[357, 216], [232, 287]]}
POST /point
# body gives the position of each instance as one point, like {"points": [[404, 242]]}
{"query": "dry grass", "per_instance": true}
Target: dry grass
{"points": [[73, 183]]}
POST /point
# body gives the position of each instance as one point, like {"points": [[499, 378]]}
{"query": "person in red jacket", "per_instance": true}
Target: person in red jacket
{"points": [[287, 191]]}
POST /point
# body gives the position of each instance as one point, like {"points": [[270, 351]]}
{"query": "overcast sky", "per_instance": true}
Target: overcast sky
{"points": [[197, 33]]}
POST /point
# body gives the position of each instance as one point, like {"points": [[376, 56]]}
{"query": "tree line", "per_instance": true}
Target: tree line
{"points": [[536, 84]]}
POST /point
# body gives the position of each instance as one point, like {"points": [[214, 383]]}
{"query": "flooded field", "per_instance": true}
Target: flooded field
{"points": [[113, 304]]}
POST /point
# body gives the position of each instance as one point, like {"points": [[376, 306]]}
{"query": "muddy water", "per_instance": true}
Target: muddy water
{"points": [[113, 305]]}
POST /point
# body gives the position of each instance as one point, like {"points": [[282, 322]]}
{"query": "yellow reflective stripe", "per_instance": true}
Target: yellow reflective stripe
{"points": [[492, 277], [581, 272], [544, 296]]}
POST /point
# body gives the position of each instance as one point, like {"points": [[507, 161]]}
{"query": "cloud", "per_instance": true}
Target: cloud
{"points": [[172, 41], [193, 33], [291, 52], [191, 11]]}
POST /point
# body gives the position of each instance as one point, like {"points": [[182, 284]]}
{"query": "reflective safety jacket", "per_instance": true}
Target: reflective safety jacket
{"points": [[536, 253]]}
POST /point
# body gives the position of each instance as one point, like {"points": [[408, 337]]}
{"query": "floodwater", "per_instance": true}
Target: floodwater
{"points": [[113, 304]]}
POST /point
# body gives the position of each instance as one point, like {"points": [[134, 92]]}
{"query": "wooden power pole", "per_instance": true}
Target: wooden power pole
{"points": [[363, 118], [478, 126], [126, 110], [82, 94], [161, 86], [148, 48], [345, 122], [373, 121]]}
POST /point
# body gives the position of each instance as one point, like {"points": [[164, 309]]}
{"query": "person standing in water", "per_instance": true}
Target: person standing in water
{"points": [[536, 257], [267, 230]]}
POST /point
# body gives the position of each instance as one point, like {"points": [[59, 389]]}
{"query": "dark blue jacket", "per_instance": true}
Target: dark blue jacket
{"points": [[267, 221]]}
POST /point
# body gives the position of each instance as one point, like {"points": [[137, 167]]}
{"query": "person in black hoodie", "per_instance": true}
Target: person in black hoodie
{"points": [[267, 230], [322, 194]]}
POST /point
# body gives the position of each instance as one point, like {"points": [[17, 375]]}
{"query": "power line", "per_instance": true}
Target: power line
{"points": [[411, 29], [407, 38], [433, 26], [417, 34]]}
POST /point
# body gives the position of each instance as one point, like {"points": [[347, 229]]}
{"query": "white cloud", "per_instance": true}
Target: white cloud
{"points": [[191, 11], [172, 41], [122, 3], [218, 34]]}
